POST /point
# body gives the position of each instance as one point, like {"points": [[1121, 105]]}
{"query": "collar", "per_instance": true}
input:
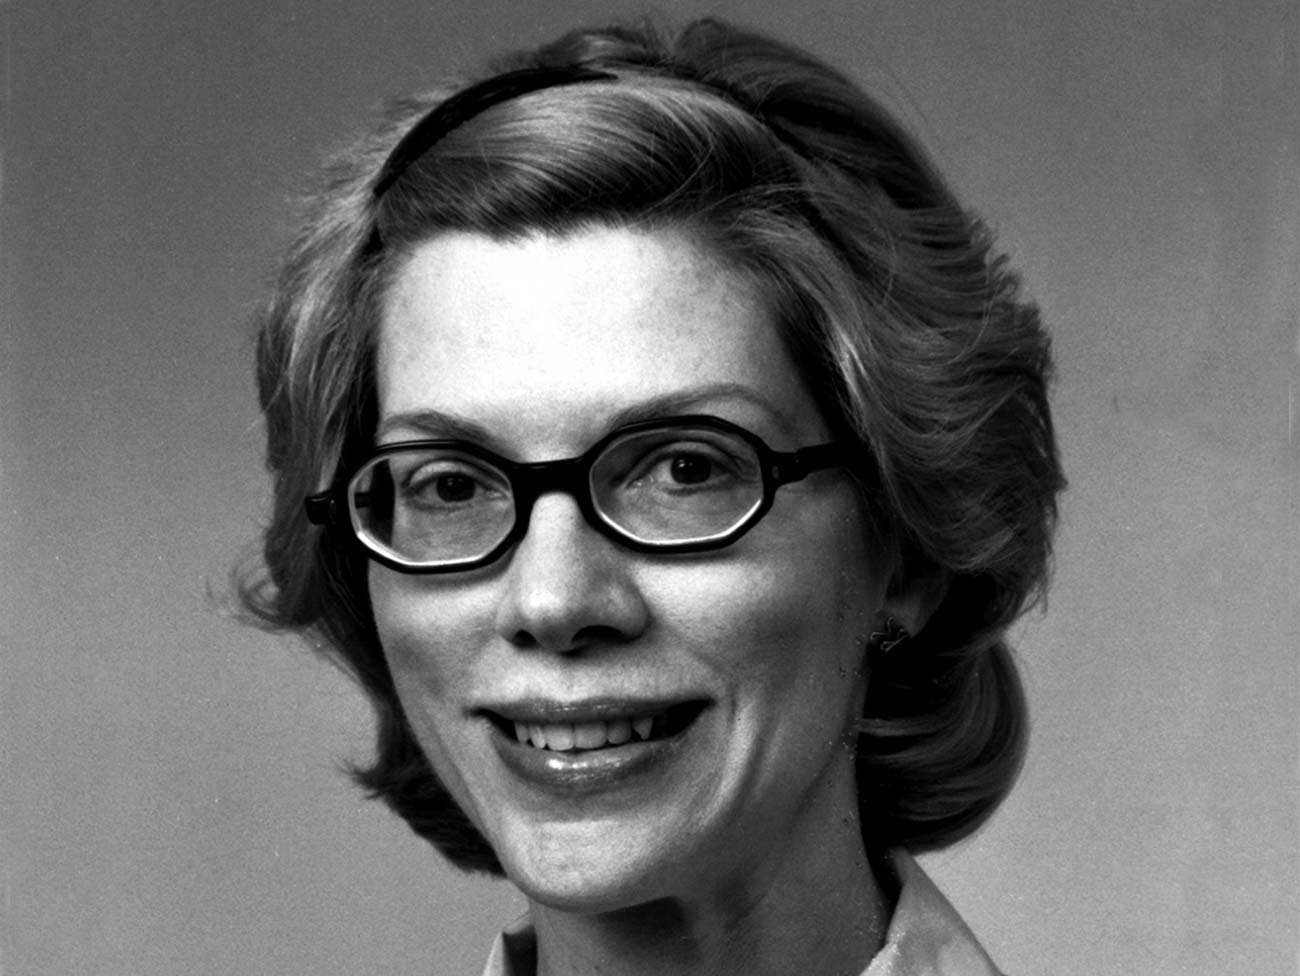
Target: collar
{"points": [[926, 936]]}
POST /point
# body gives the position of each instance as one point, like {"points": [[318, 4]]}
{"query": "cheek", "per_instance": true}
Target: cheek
{"points": [[792, 627], [428, 635]]}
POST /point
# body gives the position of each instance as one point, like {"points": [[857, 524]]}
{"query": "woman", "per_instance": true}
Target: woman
{"points": [[676, 454]]}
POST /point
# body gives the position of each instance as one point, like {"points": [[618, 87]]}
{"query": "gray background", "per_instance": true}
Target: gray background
{"points": [[170, 798]]}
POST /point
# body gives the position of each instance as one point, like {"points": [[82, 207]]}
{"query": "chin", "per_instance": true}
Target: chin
{"points": [[587, 868]]}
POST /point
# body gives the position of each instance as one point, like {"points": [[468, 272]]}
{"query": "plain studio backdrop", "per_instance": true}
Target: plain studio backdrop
{"points": [[171, 795]]}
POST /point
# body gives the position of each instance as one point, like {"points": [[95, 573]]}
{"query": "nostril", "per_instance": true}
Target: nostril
{"points": [[588, 636], [524, 640], [599, 634]]}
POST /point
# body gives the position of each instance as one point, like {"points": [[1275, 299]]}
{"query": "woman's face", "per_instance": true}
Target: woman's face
{"points": [[537, 348]]}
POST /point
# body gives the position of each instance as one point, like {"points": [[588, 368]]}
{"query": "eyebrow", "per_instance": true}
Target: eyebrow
{"points": [[440, 424], [685, 401]]}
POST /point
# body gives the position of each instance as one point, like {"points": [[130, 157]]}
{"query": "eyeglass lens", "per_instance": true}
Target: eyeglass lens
{"points": [[442, 505]]}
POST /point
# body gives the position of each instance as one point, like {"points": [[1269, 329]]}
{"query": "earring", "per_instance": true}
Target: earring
{"points": [[887, 636]]}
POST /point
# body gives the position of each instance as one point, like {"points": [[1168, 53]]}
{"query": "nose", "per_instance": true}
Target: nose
{"points": [[568, 588]]}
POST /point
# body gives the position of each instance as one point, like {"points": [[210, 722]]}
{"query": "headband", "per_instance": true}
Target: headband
{"points": [[464, 105], [469, 102]]}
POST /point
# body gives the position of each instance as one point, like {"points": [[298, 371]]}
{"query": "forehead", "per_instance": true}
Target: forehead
{"points": [[545, 340]]}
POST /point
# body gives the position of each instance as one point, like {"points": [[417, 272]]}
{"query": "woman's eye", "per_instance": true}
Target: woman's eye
{"points": [[690, 469], [445, 486], [694, 467], [454, 487]]}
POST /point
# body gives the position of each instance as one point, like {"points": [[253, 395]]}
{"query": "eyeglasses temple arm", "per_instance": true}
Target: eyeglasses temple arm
{"points": [[321, 509], [797, 465]]}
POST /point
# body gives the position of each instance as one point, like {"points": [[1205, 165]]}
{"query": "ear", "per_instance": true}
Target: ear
{"points": [[913, 596]]}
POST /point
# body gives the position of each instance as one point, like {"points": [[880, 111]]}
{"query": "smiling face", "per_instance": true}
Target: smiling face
{"points": [[695, 709]]}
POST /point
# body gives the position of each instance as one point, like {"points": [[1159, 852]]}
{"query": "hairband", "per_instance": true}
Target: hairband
{"points": [[464, 105], [469, 102]]}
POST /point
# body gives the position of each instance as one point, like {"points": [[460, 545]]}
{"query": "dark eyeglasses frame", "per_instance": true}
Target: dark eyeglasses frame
{"points": [[529, 481]]}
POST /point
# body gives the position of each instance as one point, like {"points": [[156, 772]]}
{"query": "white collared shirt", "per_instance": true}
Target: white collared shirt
{"points": [[926, 936]]}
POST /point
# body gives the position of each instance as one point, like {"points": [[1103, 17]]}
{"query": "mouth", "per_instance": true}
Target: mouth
{"points": [[552, 730]]}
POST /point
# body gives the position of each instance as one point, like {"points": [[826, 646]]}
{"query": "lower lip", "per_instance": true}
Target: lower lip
{"points": [[587, 771]]}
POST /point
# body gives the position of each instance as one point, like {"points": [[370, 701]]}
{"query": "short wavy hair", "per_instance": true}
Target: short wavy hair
{"points": [[904, 322]]}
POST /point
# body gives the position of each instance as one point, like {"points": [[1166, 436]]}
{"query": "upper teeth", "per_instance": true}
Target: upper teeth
{"points": [[563, 736]]}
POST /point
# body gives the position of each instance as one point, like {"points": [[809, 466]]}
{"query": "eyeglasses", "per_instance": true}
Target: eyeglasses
{"points": [[685, 484]]}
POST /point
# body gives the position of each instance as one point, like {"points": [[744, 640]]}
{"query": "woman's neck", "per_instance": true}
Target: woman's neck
{"points": [[815, 908]]}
